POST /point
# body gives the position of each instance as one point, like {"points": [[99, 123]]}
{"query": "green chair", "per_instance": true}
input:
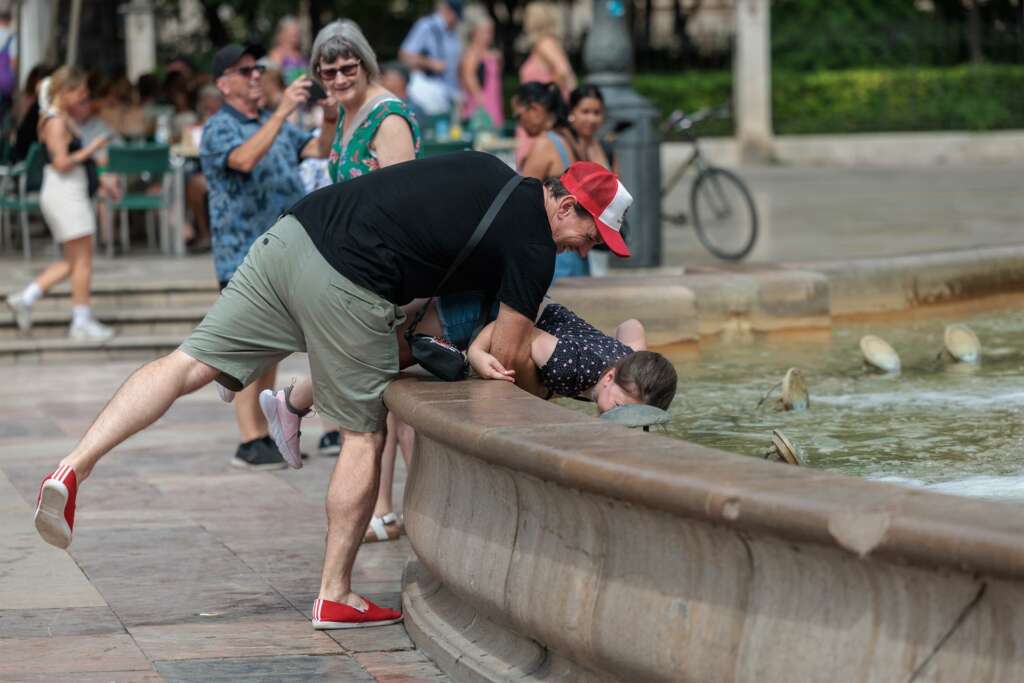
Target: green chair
{"points": [[15, 195], [430, 149], [151, 162]]}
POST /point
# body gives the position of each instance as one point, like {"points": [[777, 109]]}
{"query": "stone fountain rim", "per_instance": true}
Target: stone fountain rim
{"points": [[504, 426]]}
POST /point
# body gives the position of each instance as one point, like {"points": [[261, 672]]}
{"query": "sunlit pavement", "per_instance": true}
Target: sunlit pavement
{"points": [[182, 567]]}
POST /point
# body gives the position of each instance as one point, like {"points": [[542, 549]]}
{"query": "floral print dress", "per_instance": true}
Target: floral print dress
{"points": [[353, 157]]}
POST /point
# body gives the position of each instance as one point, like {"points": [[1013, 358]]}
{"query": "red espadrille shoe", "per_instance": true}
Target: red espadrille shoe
{"points": [[55, 507], [331, 615]]}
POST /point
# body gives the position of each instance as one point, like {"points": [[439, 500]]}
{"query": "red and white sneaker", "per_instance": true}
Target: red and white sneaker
{"points": [[55, 507], [283, 425], [331, 615]]}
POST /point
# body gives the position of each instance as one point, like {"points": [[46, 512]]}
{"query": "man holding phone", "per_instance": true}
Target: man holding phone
{"points": [[250, 157]]}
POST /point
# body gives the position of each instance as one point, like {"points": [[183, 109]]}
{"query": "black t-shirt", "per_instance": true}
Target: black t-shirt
{"points": [[396, 231]]}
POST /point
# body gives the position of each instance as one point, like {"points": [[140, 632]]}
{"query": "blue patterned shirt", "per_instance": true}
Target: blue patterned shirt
{"points": [[244, 205]]}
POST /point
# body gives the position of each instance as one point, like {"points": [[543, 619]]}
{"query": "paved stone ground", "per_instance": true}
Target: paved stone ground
{"points": [[812, 213], [182, 568]]}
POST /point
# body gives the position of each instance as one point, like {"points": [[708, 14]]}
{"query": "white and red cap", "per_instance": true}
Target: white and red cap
{"points": [[599, 191]]}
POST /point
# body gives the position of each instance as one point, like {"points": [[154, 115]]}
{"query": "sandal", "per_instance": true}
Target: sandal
{"points": [[384, 528]]}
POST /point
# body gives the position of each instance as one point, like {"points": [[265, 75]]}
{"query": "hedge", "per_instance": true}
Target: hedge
{"points": [[979, 98]]}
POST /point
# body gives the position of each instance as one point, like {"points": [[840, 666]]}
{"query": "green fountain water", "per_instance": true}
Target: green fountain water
{"points": [[952, 427]]}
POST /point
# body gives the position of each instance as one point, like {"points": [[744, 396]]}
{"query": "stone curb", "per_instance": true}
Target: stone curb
{"points": [[785, 296], [555, 546], [896, 283]]}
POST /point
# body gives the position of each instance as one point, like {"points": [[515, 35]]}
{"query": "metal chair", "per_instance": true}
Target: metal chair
{"points": [[15, 195], [152, 162]]}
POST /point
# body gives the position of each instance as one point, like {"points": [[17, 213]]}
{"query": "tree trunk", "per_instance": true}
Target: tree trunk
{"points": [[215, 29], [648, 23], [974, 32]]}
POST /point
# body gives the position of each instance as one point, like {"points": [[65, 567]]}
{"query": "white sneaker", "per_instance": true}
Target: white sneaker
{"points": [[22, 312], [224, 393], [91, 330]]}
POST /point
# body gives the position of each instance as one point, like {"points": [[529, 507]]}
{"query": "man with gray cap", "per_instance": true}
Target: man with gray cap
{"points": [[250, 157], [432, 50]]}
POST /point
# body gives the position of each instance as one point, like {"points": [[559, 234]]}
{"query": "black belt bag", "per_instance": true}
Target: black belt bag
{"points": [[437, 356]]}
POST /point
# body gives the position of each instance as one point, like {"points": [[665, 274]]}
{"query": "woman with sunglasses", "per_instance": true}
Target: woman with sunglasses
{"points": [[373, 128]]}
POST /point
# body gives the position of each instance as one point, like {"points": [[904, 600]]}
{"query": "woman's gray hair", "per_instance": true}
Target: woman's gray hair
{"points": [[343, 38]]}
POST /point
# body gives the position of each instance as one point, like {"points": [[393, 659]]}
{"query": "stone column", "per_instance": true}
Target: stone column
{"points": [[752, 80], [35, 23], [608, 58], [140, 38]]}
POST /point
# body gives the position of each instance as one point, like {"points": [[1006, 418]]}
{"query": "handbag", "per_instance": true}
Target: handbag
{"points": [[440, 357]]}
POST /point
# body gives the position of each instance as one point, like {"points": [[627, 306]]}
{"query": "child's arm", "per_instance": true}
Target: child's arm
{"points": [[631, 333]]}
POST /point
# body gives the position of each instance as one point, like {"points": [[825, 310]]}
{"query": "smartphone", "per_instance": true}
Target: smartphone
{"points": [[316, 92]]}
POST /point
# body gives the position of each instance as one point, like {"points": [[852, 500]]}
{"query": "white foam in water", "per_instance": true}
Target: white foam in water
{"points": [[979, 486], [918, 398]]}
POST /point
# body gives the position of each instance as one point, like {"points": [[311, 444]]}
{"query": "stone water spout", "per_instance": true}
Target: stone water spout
{"points": [[783, 450], [879, 354], [961, 344]]}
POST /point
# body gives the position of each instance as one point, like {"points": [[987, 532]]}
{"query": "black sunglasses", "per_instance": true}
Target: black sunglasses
{"points": [[346, 70], [247, 71]]}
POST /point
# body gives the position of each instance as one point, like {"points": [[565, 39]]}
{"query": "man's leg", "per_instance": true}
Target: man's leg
{"points": [[350, 498], [141, 400]]}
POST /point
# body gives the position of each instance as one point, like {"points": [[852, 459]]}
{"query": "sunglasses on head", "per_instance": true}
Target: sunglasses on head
{"points": [[346, 70], [247, 71]]}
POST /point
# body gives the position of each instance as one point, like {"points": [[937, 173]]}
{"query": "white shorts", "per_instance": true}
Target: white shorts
{"points": [[65, 204]]}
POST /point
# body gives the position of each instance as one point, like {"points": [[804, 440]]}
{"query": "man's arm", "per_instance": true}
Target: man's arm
{"points": [[411, 52], [245, 157], [510, 345], [320, 147]]}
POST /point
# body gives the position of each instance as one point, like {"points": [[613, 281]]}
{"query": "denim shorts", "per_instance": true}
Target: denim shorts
{"points": [[460, 314]]}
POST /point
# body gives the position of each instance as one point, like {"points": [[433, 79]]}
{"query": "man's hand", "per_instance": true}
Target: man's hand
{"points": [[487, 366], [434, 66], [294, 95]]}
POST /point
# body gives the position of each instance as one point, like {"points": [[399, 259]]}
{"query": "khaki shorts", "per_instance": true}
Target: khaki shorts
{"points": [[286, 298]]}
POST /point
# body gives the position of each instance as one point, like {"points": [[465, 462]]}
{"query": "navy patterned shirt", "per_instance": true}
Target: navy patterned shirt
{"points": [[581, 355], [244, 205]]}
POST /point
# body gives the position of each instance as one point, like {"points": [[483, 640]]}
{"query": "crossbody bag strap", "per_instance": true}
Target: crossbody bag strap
{"points": [[481, 229]]}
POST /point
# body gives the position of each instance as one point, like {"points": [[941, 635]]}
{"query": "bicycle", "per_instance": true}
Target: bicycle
{"points": [[723, 210]]}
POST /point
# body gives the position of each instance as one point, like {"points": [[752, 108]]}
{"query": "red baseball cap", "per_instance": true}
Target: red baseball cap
{"points": [[599, 191]]}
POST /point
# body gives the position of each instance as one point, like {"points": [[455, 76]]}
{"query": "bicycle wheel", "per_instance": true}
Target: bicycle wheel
{"points": [[724, 214]]}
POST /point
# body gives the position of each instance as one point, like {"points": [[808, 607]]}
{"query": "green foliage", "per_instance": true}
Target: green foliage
{"points": [[986, 97], [824, 34], [689, 91], [810, 35], [978, 98]]}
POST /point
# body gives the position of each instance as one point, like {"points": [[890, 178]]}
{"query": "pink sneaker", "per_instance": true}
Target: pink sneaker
{"points": [[55, 507], [331, 615], [284, 426]]}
